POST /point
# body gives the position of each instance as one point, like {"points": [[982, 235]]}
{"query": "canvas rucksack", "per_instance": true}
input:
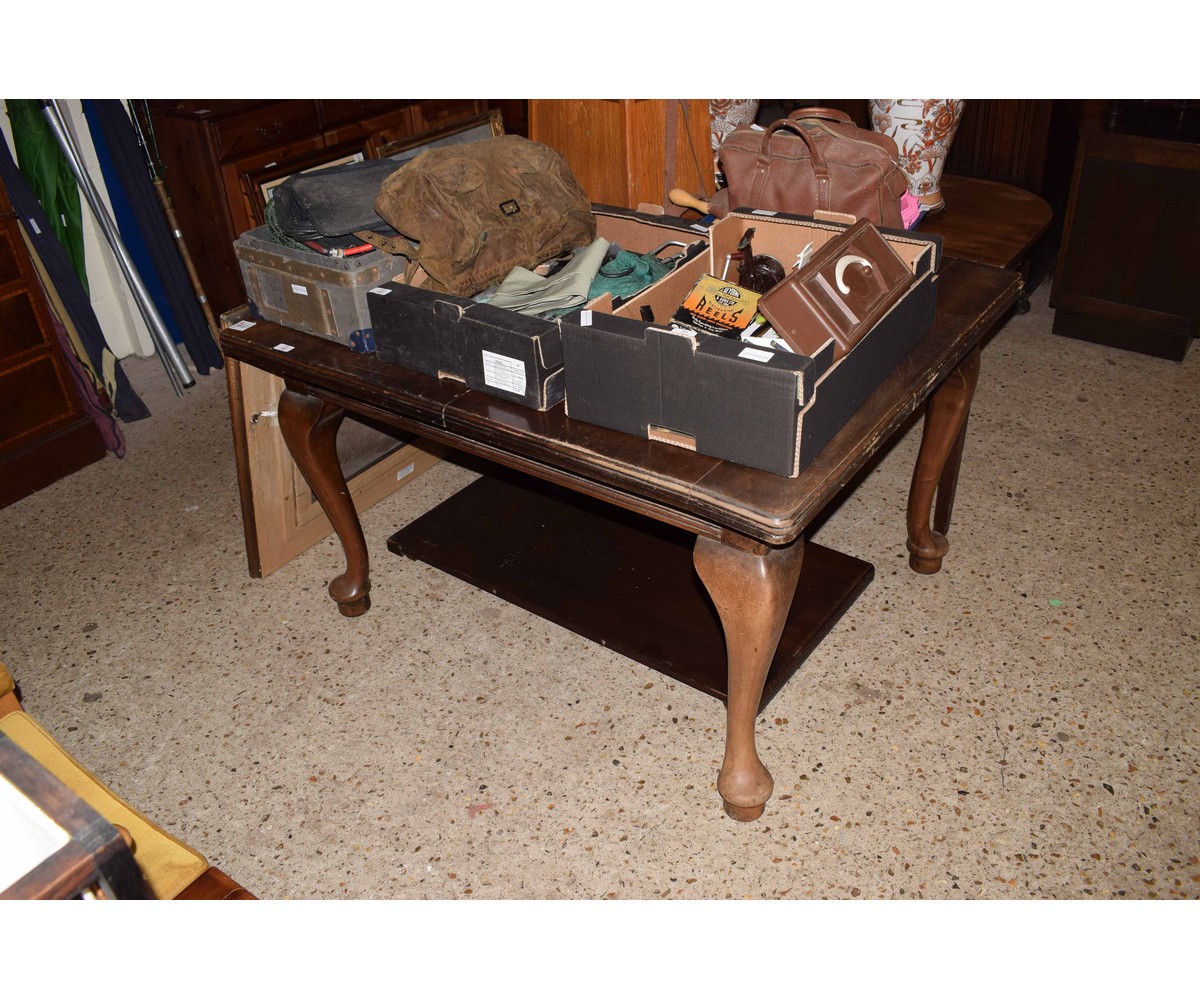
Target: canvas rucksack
{"points": [[469, 214]]}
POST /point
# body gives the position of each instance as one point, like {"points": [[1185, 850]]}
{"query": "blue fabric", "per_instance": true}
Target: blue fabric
{"points": [[109, 118], [128, 225]]}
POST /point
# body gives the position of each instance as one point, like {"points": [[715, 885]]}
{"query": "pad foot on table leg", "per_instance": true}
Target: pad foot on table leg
{"points": [[928, 558], [352, 607], [744, 814]]}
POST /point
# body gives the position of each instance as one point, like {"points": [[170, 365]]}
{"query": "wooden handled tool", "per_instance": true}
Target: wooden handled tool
{"points": [[681, 198]]}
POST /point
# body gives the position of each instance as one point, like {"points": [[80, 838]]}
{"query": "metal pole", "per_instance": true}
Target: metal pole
{"points": [[172, 361], [164, 199]]}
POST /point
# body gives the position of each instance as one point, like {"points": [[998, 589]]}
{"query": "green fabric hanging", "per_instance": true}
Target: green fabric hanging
{"points": [[49, 175]]}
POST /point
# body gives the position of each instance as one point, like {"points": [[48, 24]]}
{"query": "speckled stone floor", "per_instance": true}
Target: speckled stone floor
{"points": [[1022, 725]]}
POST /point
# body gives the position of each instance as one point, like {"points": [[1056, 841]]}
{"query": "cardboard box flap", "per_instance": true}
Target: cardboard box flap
{"points": [[611, 219], [542, 336], [765, 367], [614, 361], [921, 252]]}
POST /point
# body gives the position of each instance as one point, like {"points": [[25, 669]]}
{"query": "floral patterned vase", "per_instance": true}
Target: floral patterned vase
{"points": [[724, 116], [923, 131]]}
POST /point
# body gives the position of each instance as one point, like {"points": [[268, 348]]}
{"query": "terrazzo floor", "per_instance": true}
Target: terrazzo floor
{"points": [[1021, 726]]}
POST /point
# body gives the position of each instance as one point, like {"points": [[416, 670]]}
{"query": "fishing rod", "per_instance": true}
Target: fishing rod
{"points": [[177, 370], [149, 143]]}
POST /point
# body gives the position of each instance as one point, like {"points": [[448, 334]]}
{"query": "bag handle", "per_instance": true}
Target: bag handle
{"points": [[829, 114], [762, 166]]}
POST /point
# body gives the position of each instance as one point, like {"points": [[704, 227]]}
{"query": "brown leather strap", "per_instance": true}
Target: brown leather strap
{"points": [[763, 163], [392, 244], [830, 114]]}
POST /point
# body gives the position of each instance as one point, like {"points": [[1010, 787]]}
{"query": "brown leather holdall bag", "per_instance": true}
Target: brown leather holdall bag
{"points": [[469, 214], [815, 160]]}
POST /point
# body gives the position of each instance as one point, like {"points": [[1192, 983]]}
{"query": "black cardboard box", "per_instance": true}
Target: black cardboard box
{"points": [[766, 409], [495, 350]]}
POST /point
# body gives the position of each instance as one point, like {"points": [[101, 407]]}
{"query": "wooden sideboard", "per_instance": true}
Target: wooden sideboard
{"points": [[1126, 273], [44, 432]]}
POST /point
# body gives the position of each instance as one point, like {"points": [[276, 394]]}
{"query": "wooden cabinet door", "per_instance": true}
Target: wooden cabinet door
{"points": [[1130, 251], [620, 150]]}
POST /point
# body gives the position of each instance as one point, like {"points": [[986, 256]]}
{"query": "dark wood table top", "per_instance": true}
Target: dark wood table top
{"points": [[700, 494], [987, 221]]}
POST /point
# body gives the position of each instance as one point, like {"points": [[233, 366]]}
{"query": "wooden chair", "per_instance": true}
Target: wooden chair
{"points": [[170, 868]]}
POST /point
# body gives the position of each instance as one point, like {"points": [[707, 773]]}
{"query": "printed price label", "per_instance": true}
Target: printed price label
{"points": [[754, 354], [504, 373]]}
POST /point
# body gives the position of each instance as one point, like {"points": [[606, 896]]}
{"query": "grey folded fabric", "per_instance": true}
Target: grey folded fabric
{"points": [[533, 295]]}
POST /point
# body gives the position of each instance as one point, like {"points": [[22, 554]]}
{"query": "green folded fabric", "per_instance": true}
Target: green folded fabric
{"points": [[534, 295], [628, 273]]}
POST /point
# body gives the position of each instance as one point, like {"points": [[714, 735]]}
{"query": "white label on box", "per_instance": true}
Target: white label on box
{"points": [[585, 318], [299, 289], [284, 348], [754, 354], [503, 373], [242, 324], [381, 290]]}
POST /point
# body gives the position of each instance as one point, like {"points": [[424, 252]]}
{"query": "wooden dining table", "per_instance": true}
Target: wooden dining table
{"points": [[696, 566]]}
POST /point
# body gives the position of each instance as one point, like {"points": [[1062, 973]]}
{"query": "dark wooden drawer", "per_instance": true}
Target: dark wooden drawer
{"points": [[38, 402], [10, 269], [435, 114], [263, 128], [343, 110], [359, 130], [19, 328]]}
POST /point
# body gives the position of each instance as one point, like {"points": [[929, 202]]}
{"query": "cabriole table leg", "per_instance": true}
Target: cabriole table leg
{"points": [[309, 428], [938, 463], [752, 586]]}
